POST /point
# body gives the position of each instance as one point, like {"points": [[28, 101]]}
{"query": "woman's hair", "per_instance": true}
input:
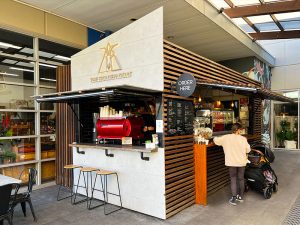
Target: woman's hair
{"points": [[236, 127]]}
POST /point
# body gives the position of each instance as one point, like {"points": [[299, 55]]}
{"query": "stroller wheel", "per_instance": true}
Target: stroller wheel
{"points": [[275, 187], [268, 192]]}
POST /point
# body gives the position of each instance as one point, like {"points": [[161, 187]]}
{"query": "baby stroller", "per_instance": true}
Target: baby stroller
{"points": [[259, 174]]}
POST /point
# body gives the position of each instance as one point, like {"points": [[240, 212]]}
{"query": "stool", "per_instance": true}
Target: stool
{"points": [[104, 190], [66, 168], [86, 173]]}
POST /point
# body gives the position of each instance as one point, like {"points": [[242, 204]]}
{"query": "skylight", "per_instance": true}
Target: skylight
{"points": [[245, 2], [260, 19], [219, 4]]}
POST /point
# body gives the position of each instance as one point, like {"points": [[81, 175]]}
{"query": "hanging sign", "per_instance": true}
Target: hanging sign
{"points": [[185, 85]]}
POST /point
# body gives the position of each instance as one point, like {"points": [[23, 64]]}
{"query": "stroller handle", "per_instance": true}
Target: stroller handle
{"points": [[257, 151]]}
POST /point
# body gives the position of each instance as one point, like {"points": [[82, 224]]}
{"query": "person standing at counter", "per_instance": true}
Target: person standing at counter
{"points": [[235, 149], [149, 121]]}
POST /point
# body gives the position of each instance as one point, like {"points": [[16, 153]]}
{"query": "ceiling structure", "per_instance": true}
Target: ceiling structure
{"points": [[264, 19], [193, 24]]}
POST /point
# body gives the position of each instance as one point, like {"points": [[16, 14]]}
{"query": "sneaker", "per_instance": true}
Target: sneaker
{"points": [[232, 200], [239, 198]]}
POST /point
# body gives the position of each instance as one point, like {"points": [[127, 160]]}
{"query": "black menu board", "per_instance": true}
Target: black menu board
{"points": [[180, 116]]}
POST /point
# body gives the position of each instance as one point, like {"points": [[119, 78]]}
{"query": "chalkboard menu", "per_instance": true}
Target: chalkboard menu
{"points": [[180, 117]]}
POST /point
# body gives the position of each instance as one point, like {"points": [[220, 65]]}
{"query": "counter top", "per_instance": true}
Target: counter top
{"points": [[131, 148]]}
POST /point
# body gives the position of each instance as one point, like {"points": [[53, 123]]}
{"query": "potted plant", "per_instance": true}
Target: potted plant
{"points": [[8, 156], [290, 138], [281, 134]]}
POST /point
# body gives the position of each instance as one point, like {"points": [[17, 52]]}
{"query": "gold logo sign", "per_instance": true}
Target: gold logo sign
{"points": [[109, 61], [109, 64]]}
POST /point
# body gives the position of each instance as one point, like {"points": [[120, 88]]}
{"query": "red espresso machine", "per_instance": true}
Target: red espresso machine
{"points": [[117, 128]]}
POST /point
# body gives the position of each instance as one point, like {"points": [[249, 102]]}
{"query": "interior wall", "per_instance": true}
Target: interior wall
{"points": [[285, 74], [31, 21]]}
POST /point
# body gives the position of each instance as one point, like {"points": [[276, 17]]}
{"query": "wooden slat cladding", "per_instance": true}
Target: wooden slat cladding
{"points": [[65, 125], [217, 172], [179, 167]]}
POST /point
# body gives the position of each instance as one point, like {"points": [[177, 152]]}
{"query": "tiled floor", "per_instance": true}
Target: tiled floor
{"points": [[254, 211]]}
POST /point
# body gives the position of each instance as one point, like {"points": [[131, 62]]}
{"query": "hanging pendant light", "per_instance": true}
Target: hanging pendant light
{"points": [[199, 99], [232, 104]]}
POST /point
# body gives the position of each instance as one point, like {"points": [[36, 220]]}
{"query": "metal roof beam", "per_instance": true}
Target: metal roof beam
{"points": [[263, 9], [276, 35]]}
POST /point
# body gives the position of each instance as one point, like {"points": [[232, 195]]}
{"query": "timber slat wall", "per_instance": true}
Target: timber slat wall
{"points": [[217, 172], [179, 156], [65, 125]]}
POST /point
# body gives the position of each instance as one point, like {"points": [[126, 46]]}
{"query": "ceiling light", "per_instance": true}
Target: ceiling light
{"points": [[62, 57], [9, 45], [9, 74], [47, 65], [21, 69], [47, 79]]}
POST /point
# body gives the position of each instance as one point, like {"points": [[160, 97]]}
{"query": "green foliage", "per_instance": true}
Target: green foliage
{"points": [[285, 133]]}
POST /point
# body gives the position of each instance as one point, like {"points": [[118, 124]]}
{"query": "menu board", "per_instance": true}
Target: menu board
{"points": [[180, 117]]}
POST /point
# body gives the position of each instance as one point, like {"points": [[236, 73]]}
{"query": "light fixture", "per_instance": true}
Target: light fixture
{"points": [[232, 104], [199, 99], [9, 74], [21, 69], [254, 90], [47, 79], [218, 103], [47, 65], [62, 57], [9, 45]]}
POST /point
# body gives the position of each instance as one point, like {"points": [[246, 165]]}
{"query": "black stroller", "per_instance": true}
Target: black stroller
{"points": [[259, 174]]}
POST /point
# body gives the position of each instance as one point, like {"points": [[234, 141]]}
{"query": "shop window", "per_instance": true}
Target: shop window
{"points": [[47, 105], [17, 150], [16, 97], [16, 172], [48, 147], [286, 118], [48, 122], [16, 124], [48, 171]]}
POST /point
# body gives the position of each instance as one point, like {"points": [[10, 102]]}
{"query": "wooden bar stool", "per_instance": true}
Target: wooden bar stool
{"points": [[65, 169], [86, 173], [104, 174]]}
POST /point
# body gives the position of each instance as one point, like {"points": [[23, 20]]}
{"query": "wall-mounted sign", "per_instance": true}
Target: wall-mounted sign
{"points": [[185, 85]]}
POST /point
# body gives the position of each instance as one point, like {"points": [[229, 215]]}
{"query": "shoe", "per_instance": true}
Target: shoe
{"points": [[232, 200], [239, 198]]}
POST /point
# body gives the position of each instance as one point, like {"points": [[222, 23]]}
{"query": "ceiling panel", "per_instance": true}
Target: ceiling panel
{"points": [[190, 28]]}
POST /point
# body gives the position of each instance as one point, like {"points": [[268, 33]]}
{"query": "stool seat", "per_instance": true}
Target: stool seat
{"points": [[88, 169], [105, 172], [71, 166]]}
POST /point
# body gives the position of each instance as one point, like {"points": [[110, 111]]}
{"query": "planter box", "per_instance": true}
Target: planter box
{"points": [[290, 144]]}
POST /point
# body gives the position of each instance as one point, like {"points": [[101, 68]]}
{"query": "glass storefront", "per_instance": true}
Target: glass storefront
{"points": [[28, 67], [285, 122]]}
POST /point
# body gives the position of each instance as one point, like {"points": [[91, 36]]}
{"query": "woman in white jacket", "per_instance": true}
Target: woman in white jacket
{"points": [[235, 148]]}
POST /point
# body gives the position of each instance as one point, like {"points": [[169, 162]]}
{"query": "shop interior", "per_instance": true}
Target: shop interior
{"points": [[216, 110]]}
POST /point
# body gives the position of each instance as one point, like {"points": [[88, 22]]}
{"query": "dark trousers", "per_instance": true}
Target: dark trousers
{"points": [[237, 180]]}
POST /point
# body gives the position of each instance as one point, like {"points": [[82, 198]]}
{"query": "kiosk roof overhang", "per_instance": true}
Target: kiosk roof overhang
{"points": [[245, 89], [101, 94], [193, 24]]}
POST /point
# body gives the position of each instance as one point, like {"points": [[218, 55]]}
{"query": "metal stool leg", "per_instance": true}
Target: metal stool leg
{"points": [[74, 202], [61, 185], [93, 190], [106, 194]]}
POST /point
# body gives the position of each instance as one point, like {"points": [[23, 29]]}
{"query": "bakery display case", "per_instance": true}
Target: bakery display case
{"points": [[222, 120]]}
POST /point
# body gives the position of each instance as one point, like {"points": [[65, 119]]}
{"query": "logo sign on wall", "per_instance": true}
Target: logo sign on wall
{"points": [[186, 85]]}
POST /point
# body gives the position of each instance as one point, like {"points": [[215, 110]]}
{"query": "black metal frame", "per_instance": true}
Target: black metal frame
{"points": [[106, 193], [62, 185], [86, 175]]}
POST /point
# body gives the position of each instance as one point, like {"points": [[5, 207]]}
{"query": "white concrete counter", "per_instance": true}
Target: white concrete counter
{"points": [[142, 182]]}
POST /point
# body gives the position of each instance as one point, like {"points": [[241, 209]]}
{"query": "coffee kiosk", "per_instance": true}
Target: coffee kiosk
{"points": [[134, 65]]}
